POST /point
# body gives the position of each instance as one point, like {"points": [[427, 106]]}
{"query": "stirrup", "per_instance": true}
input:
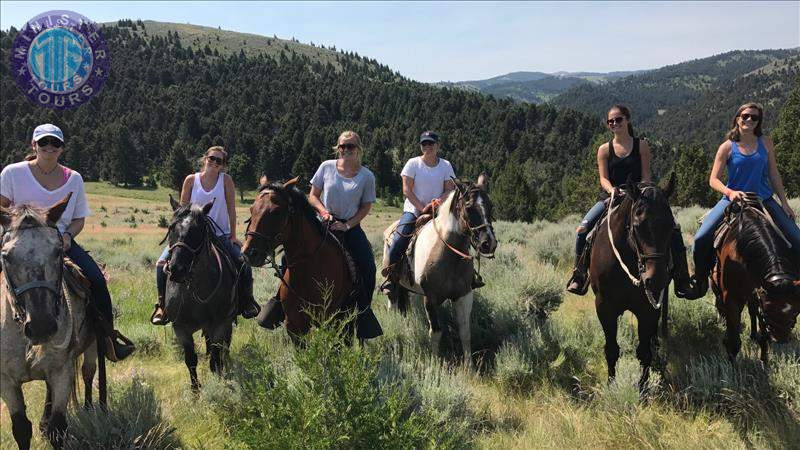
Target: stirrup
{"points": [[116, 350], [160, 320], [251, 309], [575, 286]]}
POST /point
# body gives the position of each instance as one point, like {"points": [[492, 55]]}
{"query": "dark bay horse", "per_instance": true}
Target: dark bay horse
{"points": [[755, 268], [201, 283], [316, 281], [629, 268], [442, 266], [43, 320]]}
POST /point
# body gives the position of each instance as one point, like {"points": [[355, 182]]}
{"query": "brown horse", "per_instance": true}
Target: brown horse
{"points": [[316, 282], [755, 268], [629, 268]]}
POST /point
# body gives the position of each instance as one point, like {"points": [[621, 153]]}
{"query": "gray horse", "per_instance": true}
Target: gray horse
{"points": [[201, 282], [43, 325]]}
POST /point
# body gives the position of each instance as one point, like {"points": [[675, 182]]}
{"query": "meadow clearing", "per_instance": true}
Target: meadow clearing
{"points": [[541, 381]]}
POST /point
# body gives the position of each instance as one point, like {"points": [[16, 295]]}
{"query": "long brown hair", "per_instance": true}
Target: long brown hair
{"points": [[216, 148], [734, 134], [626, 112]]}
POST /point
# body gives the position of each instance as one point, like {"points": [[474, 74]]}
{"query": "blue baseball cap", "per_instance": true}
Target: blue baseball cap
{"points": [[47, 129], [428, 136]]}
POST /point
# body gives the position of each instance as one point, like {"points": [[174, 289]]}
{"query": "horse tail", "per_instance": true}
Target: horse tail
{"points": [[73, 392]]}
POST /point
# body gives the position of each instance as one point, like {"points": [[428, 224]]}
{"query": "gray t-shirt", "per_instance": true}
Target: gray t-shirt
{"points": [[343, 196]]}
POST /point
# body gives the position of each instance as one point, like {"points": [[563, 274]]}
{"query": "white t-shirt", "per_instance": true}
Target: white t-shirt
{"points": [[428, 181], [18, 185]]}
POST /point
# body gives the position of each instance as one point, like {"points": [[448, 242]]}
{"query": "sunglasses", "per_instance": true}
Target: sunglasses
{"points": [[215, 160], [427, 143], [347, 147], [45, 141], [615, 121], [753, 117]]}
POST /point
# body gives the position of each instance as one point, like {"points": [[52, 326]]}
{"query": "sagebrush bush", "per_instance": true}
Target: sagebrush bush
{"points": [[133, 420]]}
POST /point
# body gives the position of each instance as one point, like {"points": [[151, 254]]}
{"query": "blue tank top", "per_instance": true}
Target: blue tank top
{"points": [[750, 173]]}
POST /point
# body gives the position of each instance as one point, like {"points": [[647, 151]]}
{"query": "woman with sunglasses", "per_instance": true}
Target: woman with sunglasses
{"points": [[342, 192], [749, 158], [42, 182], [427, 179], [212, 184], [624, 158]]}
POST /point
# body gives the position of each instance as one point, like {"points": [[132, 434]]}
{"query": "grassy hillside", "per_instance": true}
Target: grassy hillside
{"points": [[541, 383]]}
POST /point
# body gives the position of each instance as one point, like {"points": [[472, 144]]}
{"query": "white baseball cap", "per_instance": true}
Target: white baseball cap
{"points": [[47, 129]]}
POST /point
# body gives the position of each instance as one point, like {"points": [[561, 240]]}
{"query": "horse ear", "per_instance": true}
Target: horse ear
{"points": [[173, 203], [292, 182], [55, 211], [669, 189], [207, 207], [483, 183]]}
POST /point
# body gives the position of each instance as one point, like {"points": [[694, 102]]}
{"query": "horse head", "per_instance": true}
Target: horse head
{"points": [[650, 229], [269, 225], [475, 214], [32, 261], [188, 235]]}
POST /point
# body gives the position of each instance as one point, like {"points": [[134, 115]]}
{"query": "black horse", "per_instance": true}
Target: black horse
{"points": [[201, 283]]}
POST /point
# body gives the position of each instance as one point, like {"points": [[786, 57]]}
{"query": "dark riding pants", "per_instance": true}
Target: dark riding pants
{"points": [[100, 296]]}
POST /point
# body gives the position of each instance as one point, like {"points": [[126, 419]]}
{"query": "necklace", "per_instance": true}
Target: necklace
{"points": [[48, 172]]}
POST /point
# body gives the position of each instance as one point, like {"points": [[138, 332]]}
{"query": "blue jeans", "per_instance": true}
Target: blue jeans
{"points": [[101, 298], [704, 239], [588, 223], [401, 236], [232, 249]]}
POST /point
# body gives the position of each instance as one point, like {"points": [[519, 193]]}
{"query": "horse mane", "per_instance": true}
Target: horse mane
{"points": [[760, 246], [298, 200], [27, 215]]}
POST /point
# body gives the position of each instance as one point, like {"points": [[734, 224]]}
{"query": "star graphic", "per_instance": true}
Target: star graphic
{"points": [[22, 70], [98, 72]]}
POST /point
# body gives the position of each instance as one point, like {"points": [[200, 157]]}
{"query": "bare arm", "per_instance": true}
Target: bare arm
{"points": [[230, 201], [775, 177], [408, 192], [602, 168], [644, 152], [362, 212], [449, 186], [186, 190], [313, 198], [715, 180]]}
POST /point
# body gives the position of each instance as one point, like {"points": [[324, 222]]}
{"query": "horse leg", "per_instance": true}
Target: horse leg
{"points": [[763, 338], [463, 308], [733, 327], [60, 384], [189, 354], [752, 309], [88, 369], [402, 300], [48, 409], [608, 319], [648, 329], [435, 330], [219, 342], [21, 427]]}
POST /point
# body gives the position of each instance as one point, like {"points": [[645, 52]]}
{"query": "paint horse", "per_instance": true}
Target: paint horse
{"points": [[441, 263]]}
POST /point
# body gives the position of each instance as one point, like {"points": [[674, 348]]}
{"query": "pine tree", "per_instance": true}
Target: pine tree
{"points": [[787, 142], [692, 169], [176, 166]]}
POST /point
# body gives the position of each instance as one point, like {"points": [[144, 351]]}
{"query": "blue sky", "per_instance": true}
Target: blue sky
{"points": [[472, 40]]}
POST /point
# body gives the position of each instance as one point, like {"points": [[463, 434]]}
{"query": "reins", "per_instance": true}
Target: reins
{"points": [[464, 224]]}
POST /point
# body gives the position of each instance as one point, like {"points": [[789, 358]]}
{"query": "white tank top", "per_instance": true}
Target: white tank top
{"points": [[219, 212]]}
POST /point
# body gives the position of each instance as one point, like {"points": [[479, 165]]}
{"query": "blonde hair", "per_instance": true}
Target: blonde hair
{"points": [[734, 134], [355, 139], [215, 148]]}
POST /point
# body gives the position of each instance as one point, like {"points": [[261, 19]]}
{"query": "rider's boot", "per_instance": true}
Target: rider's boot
{"points": [[271, 315], [117, 347], [159, 316], [248, 307], [680, 268], [578, 284]]}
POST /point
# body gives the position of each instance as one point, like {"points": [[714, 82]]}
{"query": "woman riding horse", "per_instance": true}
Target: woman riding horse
{"points": [[212, 185], [342, 192], [623, 159], [42, 182], [749, 158]]}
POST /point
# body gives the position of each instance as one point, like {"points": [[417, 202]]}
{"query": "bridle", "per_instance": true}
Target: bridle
{"points": [[470, 231], [641, 256], [16, 305]]}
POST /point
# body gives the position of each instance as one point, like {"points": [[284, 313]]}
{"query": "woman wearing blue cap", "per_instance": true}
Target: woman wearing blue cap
{"points": [[342, 192], [427, 180], [40, 181]]}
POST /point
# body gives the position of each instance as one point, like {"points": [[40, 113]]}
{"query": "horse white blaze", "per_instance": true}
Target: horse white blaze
{"points": [[463, 308], [485, 218]]}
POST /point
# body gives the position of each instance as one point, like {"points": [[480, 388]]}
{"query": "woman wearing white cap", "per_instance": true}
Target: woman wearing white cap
{"points": [[40, 181], [342, 192]]}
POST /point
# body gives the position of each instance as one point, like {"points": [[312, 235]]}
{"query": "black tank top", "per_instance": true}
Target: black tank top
{"points": [[620, 168]]}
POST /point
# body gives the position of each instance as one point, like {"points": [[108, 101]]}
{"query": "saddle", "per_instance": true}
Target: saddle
{"points": [[733, 213]]}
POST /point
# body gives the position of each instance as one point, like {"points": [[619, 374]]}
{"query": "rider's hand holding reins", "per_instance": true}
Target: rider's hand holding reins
{"points": [[789, 211], [734, 195]]}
